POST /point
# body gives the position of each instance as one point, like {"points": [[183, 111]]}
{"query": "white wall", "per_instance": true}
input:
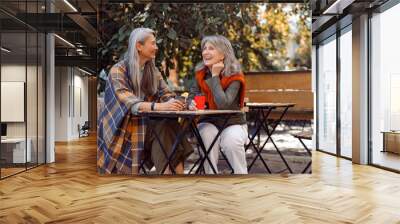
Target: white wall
{"points": [[34, 125], [61, 103], [16, 73], [12, 73], [71, 93]]}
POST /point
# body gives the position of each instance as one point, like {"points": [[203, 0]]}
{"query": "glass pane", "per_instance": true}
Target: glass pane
{"points": [[14, 153], [32, 97], [386, 89], [41, 99], [327, 96], [346, 94], [22, 79]]}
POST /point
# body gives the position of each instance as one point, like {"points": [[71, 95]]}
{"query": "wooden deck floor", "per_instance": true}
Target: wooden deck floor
{"points": [[70, 191]]}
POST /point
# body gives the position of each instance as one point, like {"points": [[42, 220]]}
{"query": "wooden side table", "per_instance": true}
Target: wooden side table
{"points": [[391, 141]]}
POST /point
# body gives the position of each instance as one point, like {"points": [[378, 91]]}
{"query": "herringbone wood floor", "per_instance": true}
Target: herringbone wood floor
{"points": [[70, 191]]}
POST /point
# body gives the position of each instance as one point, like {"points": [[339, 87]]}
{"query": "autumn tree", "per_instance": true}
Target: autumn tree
{"points": [[260, 33]]}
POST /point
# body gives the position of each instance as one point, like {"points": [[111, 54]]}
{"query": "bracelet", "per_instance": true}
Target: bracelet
{"points": [[152, 105]]}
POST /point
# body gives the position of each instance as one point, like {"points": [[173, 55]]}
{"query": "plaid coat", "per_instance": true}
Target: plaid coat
{"points": [[121, 135]]}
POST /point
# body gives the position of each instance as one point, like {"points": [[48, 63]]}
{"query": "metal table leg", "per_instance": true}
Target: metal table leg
{"points": [[206, 152], [309, 153], [269, 133], [196, 132], [257, 133], [178, 141], [264, 124]]}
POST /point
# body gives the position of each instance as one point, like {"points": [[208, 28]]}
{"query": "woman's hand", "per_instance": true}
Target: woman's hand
{"points": [[217, 68], [192, 105], [171, 105]]}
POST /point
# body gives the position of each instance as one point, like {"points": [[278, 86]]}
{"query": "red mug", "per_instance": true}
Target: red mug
{"points": [[200, 102]]}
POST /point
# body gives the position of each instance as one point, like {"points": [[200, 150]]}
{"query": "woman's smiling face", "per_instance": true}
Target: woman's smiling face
{"points": [[149, 48], [211, 55]]}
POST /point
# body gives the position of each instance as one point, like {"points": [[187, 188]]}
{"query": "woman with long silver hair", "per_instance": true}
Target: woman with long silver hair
{"points": [[134, 84], [220, 79]]}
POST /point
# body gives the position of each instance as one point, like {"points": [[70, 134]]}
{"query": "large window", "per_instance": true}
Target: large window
{"points": [[327, 95], [385, 88], [334, 106], [346, 92]]}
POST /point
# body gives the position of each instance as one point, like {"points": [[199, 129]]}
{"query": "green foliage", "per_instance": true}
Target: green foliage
{"points": [[260, 33]]}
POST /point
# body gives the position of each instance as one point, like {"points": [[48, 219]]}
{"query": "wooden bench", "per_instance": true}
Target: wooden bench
{"points": [[283, 87]]}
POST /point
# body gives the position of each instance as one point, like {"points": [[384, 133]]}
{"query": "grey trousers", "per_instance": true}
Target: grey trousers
{"points": [[231, 141], [167, 131]]}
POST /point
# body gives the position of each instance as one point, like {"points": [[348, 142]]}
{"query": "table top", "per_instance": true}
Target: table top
{"points": [[269, 105], [188, 113], [304, 135]]}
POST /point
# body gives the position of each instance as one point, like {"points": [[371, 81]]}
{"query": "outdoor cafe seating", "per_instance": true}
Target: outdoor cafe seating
{"points": [[262, 121]]}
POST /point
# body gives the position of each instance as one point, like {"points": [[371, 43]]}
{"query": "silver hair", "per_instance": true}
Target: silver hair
{"points": [[223, 45], [146, 84]]}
